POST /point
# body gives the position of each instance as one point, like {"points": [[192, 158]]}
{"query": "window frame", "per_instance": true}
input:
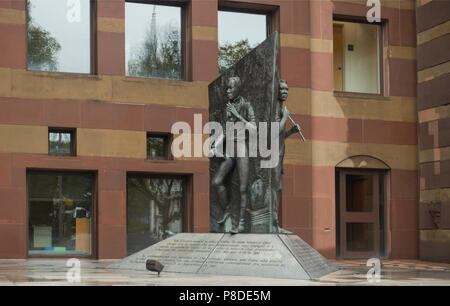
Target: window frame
{"points": [[73, 140], [94, 235], [187, 209], [272, 13], [93, 42], [168, 138], [182, 4], [381, 57]]}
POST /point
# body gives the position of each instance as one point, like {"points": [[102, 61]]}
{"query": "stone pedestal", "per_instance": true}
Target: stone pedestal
{"points": [[259, 255]]}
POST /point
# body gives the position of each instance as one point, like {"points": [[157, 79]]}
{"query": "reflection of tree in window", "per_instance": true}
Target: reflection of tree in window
{"points": [[60, 142], [159, 55], [42, 47], [154, 210], [231, 53]]}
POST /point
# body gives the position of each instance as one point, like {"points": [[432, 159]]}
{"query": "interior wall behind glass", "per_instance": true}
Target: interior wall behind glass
{"points": [[155, 210], [238, 34], [361, 57], [59, 35], [60, 214], [153, 41]]}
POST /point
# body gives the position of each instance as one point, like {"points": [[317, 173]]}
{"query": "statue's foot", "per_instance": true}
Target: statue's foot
{"points": [[234, 230], [283, 231], [241, 225], [225, 217]]}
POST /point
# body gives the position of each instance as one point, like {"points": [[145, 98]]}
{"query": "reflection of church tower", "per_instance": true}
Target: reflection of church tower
{"points": [[153, 40]]}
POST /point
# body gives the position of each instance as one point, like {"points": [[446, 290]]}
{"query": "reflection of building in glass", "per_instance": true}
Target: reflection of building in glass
{"points": [[377, 128]]}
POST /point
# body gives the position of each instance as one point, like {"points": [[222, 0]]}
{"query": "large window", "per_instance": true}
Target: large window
{"points": [[155, 210], [59, 35], [60, 213], [357, 57], [153, 37], [238, 34]]}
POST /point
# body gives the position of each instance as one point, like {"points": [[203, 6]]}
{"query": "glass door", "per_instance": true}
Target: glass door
{"points": [[359, 214]]}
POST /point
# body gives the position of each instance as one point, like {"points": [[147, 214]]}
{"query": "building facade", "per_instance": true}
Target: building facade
{"points": [[433, 46], [84, 158]]}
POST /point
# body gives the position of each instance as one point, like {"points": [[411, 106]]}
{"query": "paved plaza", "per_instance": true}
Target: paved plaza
{"points": [[44, 272]]}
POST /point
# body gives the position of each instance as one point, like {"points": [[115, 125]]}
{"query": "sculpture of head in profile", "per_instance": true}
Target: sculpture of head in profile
{"points": [[283, 90], [233, 89]]}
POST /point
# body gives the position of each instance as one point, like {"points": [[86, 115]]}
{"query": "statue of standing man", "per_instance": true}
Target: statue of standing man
{"points": [[281, 116], [237, 110]]}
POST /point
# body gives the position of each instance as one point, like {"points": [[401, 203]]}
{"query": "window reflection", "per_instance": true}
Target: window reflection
{"points": [[153, 41], [155, 210], [60, 209], [59, 35], [238, 34]]}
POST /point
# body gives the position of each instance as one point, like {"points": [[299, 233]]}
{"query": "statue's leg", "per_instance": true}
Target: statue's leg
{"points": [[243, 168], [276, 191], [218, 183]]}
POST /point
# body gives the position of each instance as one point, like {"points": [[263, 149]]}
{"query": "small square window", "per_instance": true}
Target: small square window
{"points": [[357, 57], [61, 142], [158, 146]]}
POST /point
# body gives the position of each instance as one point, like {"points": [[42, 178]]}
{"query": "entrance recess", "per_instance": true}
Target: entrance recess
{"points": [[359, 213]]}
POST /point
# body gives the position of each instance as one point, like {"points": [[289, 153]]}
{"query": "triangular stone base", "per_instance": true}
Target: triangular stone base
{"points": [[260, 255]]}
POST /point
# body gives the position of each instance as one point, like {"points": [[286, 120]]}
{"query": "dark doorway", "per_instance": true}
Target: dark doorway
{"points": [[361, 213]]}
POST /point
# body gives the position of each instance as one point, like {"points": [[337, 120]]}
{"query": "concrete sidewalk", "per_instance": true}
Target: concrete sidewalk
{"points": [[94, 273]]}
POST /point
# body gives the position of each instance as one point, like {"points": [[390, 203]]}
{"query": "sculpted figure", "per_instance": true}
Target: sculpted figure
{"points": [[281, 115], [237, 110]]}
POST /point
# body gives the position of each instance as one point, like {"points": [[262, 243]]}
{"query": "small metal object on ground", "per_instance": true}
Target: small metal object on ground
{"points": [[154, 266]]}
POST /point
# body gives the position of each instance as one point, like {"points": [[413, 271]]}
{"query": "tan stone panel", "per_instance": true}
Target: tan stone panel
{"points": [[435, 195], [328, 104], [433, 72], [111, 143], [105, 24], [5, 82], [428, 115], [430, 155], [12, 16], [401, 4], [440, 235], [329, 153], [23, 139], [443, 111], [294, 41], [56, 85], [299, 101], [433, 33], [202, 138], [321, 45], [420, 3], [400, 52], [159, 91], [204, 33]]}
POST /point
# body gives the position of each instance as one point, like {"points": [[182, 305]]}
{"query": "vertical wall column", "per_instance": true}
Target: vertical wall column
{"points": [[13, 36], [111, 209], [295, 69], [110, 24], [201, 35], [433, 61], [13, 222], [323, 181]]}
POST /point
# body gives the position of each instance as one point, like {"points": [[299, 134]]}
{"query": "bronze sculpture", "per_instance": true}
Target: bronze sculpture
{"points": [[238, 109], [281, 116]]}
